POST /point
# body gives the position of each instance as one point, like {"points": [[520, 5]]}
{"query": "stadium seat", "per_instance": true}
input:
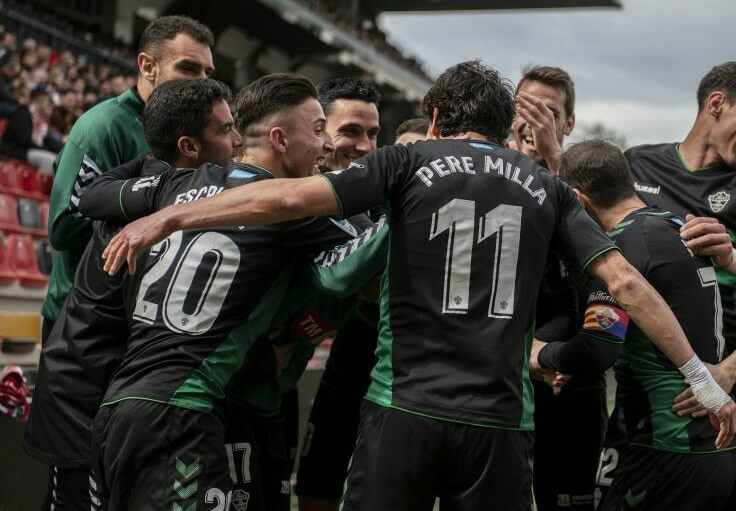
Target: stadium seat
{"points": [[9, 214], [3, 126], [29, 216], [45, 181], [10, 178], [44, 210], [23, 261], [43, 256], [7, 275], [29, 182]]}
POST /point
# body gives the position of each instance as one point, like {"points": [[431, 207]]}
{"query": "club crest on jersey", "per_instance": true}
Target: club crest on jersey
{"points": [[606, 317], [718, 201], [239, 500], [345, 226]]}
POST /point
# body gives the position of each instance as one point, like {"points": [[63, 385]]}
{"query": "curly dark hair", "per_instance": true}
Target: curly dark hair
{"points": [[471, 97], [331, 90], [268, 95], [721, 78], [179, 108]]}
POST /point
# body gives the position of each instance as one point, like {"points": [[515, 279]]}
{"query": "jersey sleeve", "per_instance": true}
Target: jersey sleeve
{"points": [[344, 269], [369, 181], [577, 235], [596, 346], [119, 201]]}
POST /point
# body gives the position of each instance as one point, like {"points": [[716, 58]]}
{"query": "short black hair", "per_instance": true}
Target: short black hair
{"points": [[419, 125], [599, 170], [331, 90], [167, 28], [471, 97], [179, 108], [38, 93], [554, 77], [268, 95], [721, 78]]}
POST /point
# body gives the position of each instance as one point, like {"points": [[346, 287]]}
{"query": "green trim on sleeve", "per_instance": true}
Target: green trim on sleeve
{"points": [[598, 254]]}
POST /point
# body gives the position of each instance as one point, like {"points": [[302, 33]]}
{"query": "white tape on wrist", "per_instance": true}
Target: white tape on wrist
{"points": [[705, 389]]}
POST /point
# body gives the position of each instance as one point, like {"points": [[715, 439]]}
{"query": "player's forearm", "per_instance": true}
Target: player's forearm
{"points": [[265, 202], [644, 305]]}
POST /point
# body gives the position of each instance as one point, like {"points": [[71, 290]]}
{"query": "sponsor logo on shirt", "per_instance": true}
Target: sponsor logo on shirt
{"points": [[718, 201], [654, 190], [146, 182], [312, 328], [241, 174], [356, 164]]}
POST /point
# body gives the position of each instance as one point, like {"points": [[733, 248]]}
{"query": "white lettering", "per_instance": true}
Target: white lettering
{"points": [[439, 167], [468, 164], [425, 175]]}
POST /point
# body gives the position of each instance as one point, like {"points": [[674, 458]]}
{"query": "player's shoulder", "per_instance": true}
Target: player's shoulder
{"points": [[110, 117], [649, 151]]}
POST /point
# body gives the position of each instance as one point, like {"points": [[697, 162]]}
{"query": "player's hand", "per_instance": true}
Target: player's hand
{"points": [[706, 236], [542, 123], [725, 422], [549, 376], [133, 239], [685, 402]]}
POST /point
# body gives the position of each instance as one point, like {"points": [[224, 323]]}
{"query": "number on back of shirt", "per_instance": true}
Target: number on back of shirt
{"points": [[503, 223], [204, 269]]}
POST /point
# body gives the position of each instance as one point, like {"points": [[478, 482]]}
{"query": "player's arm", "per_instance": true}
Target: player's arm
{"points": [[596, 346], [103, 199], [365, 185]]}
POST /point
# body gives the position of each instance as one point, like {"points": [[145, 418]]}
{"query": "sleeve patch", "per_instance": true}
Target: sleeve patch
{"points": [[87, 173], [312, 327], [603, 318]]}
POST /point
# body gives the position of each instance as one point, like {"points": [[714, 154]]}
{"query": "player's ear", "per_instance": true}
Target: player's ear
{"points": [[277, 138], [147, 67], [188, 147], [580, 196], [433, 132], [569, 124], [715, 103]]}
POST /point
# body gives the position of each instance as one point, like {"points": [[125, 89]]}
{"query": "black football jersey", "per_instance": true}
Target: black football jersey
{"points": [[662, 179], [194, 288], [471, 226], [647, 382]]}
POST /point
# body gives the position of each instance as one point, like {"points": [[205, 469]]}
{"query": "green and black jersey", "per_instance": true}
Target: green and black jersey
{"points": [[202, 298], [471, 225], [647, 382], [108, 135], [662, 179]]}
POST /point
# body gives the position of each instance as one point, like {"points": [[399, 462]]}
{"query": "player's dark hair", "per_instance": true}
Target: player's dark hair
{"points": [[471, 97], [599, 170], [179, 108], [418, 125], [721, 78], [554, 77], [268, 95], [331, 90], [166, 28]]}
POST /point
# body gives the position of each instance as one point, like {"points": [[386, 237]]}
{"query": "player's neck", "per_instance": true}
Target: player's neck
{"points": [[262, 161], [696, 152], [609, 218], [470, 135]]}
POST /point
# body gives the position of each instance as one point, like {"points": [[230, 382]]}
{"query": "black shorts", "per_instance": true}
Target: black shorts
{"points": [[653, 480], [569, 430], [404, 461], [152, 456], [333, 421], [71, 489], [260, 467]]}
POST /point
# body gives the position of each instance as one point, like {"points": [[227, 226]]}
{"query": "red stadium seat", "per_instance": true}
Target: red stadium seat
{"points": [[9, 214], [23, 260], [30, 185], [7, 275], [45, 181], [10, 178], [3, 126]]}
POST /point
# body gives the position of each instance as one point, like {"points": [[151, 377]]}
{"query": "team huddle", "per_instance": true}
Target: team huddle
{"points": [[477, 279]]}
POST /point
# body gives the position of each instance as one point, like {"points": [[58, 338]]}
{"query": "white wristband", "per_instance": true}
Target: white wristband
{"points": [[705, 389]]}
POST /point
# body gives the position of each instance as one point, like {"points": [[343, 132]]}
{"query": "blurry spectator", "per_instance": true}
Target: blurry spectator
{"points": [[60, 125], [26, 131], [412, 130]]}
